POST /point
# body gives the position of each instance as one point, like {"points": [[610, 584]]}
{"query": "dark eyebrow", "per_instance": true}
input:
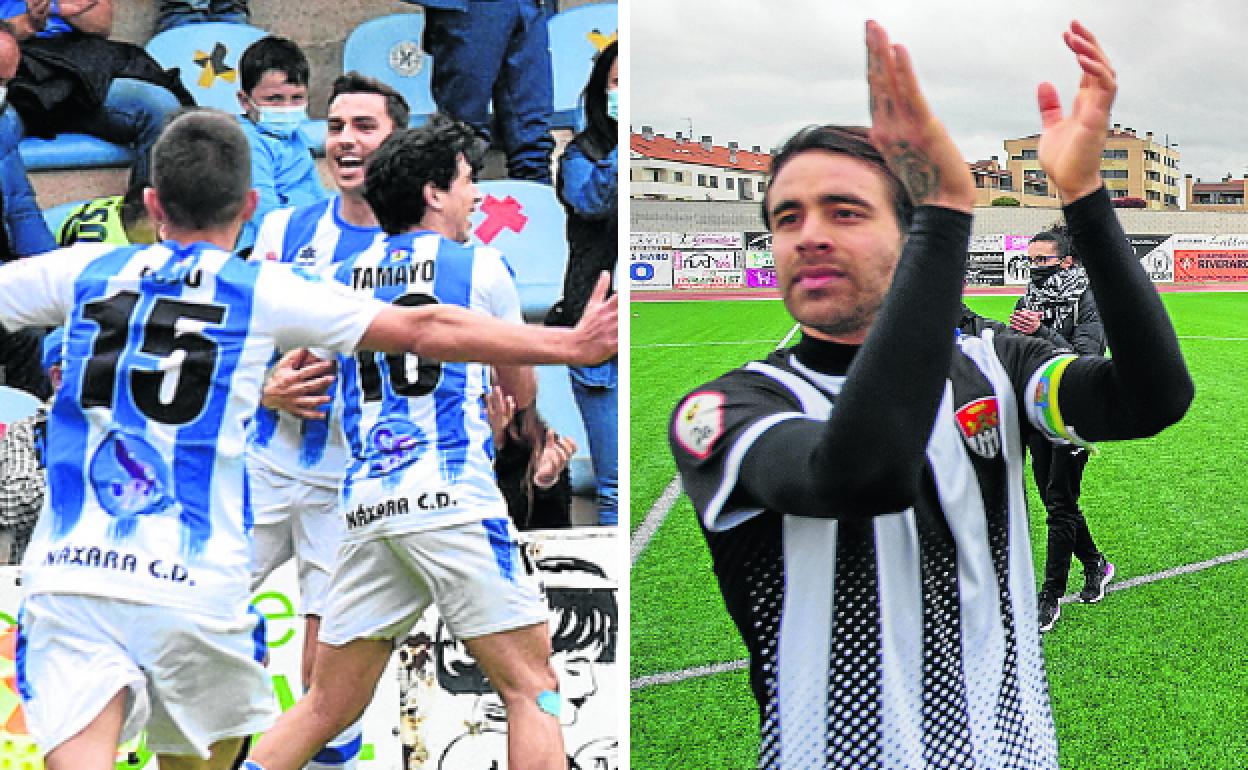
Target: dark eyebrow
{"points": [[833, 198]]}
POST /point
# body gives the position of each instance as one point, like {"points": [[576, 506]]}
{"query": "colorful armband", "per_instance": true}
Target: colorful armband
{"points": [[1042, 402]]}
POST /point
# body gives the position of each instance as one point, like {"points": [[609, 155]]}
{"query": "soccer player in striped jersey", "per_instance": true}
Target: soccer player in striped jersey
{"points": [[136, 581], [298, 454], [425, 520], [861, 492]]}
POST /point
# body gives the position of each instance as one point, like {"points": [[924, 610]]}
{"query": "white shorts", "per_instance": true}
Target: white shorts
{"points": [[475, 572], [192, 680], [295, 518]]}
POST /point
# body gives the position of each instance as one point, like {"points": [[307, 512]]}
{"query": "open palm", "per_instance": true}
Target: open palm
{"points": [[1071, 145]]}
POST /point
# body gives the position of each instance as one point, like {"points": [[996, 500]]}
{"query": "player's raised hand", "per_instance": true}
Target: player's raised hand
{"points": [[914, 143], [1071, 145], [599, 326]]}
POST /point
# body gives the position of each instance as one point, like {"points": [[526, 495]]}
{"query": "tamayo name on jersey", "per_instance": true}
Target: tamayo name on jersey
{"points": [[315, 238], [421, 445], [928, 650], [165, 350]]}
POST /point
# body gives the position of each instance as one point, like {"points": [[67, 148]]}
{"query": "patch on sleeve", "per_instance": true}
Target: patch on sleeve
{"points": [[700, 422]]}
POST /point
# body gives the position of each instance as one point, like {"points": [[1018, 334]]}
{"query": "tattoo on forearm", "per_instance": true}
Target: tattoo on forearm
{"points": [[917, 172]]}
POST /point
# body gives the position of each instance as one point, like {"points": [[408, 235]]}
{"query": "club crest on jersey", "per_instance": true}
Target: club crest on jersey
{"points": [[700, 422], [394, 443], [980, 423], [130, 479], [306, 257]]}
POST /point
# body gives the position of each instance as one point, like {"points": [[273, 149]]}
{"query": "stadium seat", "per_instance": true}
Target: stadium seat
{"points": [[556, 404], [16, 404], [576, 37], [206, 56], [526, 222], [68, 151], [388, 48], [55, 217]]}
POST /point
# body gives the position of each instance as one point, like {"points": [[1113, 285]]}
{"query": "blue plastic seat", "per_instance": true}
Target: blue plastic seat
{"points": [[576, 37], [388, 48], [68, 151], [15, 404], [206, 56], [526, 222]]}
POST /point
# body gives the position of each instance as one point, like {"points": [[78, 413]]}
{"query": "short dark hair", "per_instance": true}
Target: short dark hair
{"points": [[409, 159], [201, 169], [1059, 237], [354, 83], [276, 54], [853, 141]]}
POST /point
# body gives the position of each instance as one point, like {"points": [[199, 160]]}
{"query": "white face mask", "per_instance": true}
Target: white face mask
{"points": [[613, 104], [4, 95], [282, 121]]}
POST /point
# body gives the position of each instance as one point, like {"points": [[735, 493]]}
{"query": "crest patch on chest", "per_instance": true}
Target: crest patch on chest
{"points": [[980, 423]]}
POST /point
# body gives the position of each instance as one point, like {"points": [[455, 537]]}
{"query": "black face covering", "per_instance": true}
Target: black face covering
{"points": [[1041, 274]]}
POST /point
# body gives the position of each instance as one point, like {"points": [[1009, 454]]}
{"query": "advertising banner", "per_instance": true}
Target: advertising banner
{"points": [[650, 270], [709, 279], [433, 707], [650, 241], [1205, 265], [1155, 254], [708, 241], [760, 278], [706, 260]]}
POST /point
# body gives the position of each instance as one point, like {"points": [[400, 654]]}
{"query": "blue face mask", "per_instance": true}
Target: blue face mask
{"points": [[613, 104], [281, 121]]}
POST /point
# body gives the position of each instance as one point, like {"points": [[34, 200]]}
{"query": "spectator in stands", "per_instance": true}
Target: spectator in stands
{"points": [[72, 78], [274, 98], [496, 50], [531, 462], [588, 179], [23, 479], [22, 229], [175, 13], [118, 219]]}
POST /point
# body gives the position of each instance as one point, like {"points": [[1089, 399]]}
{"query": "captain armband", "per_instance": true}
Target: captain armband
{"points": [[1042, 407]]}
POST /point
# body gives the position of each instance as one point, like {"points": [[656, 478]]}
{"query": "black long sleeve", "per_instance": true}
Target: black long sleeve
{"points": [[867, 458], [1145, 386]]}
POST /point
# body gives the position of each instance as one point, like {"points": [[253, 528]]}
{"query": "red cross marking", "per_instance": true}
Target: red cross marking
{"points": [[499, 215]]}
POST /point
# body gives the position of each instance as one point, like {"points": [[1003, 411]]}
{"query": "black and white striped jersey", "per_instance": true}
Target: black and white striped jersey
{"points": [[903, 640]]}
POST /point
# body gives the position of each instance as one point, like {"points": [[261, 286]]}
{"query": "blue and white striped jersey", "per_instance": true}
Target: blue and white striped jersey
{"points": [[422, 454], [166, 349], [315, 238]]}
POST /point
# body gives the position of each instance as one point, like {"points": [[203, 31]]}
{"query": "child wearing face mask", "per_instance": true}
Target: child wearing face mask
{"points": [[587, 183], [273, 74]]}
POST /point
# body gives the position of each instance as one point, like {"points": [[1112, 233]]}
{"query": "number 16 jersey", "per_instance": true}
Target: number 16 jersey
{"points": [[421, 448]]}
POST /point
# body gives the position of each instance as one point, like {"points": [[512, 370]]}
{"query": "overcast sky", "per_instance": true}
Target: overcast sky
{"points": [[754, 71]]}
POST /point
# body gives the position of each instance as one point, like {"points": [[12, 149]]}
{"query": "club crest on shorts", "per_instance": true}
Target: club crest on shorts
{"points": [[980, 423], [699, 422]]}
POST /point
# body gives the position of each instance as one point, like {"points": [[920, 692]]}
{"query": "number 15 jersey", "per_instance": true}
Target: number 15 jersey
{"points": [[422, 455], [166, 349]]}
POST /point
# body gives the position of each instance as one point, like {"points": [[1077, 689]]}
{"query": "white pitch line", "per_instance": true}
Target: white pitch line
{"points": [[708, 343], [1213, 339], [671, 677], [667, 500], [650, 525]]}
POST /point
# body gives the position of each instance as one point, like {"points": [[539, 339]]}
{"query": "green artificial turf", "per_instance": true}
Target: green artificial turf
{"points": [[1150, 678]]}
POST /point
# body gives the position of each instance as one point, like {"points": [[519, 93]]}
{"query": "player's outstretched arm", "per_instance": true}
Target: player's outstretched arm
{"points": [[1146, 386], [450, 333]]}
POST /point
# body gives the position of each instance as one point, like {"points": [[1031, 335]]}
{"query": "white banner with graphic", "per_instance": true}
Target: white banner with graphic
{"points": [[650, 270], [432, 708]]}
